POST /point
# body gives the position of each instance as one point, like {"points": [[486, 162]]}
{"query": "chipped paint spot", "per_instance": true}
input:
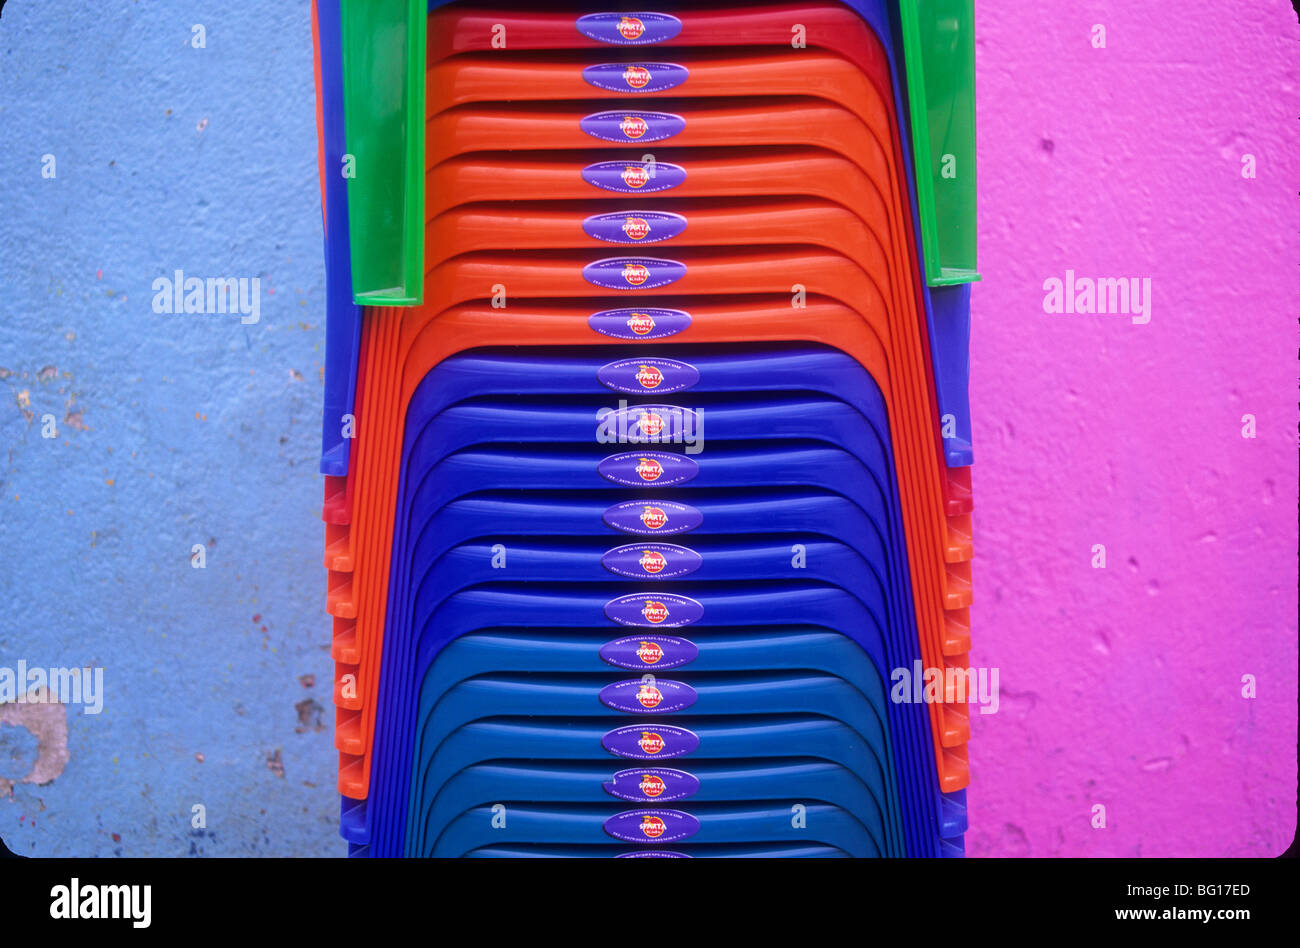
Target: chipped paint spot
{"points": [[48, 723], [309, 712]]}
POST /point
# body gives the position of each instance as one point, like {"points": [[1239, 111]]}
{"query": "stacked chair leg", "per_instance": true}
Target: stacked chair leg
{"points": [[648, 501]]}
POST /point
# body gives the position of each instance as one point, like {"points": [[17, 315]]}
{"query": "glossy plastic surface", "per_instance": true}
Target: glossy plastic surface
{"points": [[383, 88], [939, 39]]}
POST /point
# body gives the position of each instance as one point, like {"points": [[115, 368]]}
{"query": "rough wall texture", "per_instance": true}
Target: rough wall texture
{"points": [[1120, 686], [172, 430]]}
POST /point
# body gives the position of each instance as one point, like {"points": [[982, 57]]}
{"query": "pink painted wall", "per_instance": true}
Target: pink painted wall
{"points": [[1122, 686]]}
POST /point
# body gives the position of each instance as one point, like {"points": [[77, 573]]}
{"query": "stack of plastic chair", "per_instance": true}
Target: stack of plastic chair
{"points": [[646, 437]]}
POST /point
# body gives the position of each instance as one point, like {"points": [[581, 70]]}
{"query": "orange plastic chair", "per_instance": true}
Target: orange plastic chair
{"points": [[832, 26], [713, 172], [672, 123], [383, 397], [559, 76], [559, 275], [550, 225], [421, 340]]}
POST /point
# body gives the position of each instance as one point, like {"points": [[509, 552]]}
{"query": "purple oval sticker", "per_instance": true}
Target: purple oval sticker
{"points": [[639, 324], [638, 468], [638, 376], [662, 784], [652, 561], [634, 177], [652, 826], [622, 126], [648, 424], [638, 652], [633, 273], [636, 77], [650, 741], [653, 517], [629, 29], [648, 697], [654, 610], [634, 227]]}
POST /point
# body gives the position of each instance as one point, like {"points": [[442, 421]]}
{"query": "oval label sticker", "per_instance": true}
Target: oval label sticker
{"points": [[650, 742], [638, 468], [622, 126], [638, 376], [636, 77], [629, 29], [634, 177], [634, 227], [648, 424], [662, 784], [633, 273], [654, 610], [653, 517], [653, 854], [648, 697], [652, 561], [652, 826], [639, 323], [649, 651]]}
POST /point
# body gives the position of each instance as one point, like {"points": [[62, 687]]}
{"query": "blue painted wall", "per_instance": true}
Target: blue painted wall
{"points": [[172, 430]]}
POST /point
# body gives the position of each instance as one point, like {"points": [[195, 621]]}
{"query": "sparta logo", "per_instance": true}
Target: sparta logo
{"points": [[649, 696], [633, 126], [652, 424], [650, 743], [649, 376], [650, 653], [652, 785], [638, 77], [653, 562], [636, 176], [641, 324], [655, 613], [654, 517], [636, 228], [630, 27], [636, 274], [652, 827], [648, 469]]}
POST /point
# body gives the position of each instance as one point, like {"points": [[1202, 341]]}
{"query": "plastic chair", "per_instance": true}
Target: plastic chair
{"points": [[594, 783], [715, 823]]}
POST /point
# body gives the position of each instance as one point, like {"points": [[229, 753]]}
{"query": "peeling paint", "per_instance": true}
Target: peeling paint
{"points": [[48, 723]]}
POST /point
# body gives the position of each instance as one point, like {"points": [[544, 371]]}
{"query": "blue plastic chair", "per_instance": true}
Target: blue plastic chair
{"points": [[752, 851], [719, 782], [758, 737], [478, 482], [710, 823]]}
